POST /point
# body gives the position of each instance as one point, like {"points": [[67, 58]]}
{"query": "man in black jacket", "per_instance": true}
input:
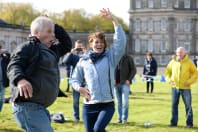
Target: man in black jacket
{"points": [[34, 74], [4, 82], [124, 73]]}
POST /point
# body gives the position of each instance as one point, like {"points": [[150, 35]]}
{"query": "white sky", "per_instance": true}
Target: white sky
{"points": [[118, 7]]}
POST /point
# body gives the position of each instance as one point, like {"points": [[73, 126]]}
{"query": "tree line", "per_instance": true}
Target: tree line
{"points": [[72, 20]]}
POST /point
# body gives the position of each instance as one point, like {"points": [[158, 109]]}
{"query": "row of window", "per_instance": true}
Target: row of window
{"points": [[163, 3], [161, 25], [143, 45], [162, 60]]}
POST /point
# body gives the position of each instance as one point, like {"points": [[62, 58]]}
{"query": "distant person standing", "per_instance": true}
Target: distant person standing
{"points": [[124, 73], [149, 71], [96, 68], [71, 61], [195, 60], [181, 73], [4, 82]]}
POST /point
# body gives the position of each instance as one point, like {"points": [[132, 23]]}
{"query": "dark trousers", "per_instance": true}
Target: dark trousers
{"points": [[97, 116], [148, 83]]}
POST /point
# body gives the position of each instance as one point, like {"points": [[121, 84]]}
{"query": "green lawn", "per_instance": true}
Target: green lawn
{"points": [[154, 108]]}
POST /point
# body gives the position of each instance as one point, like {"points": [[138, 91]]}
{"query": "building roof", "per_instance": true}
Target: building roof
{"points": [[2, 22]]}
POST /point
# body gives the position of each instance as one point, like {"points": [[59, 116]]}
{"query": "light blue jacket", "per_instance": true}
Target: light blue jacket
{"points": [[96, 76]]}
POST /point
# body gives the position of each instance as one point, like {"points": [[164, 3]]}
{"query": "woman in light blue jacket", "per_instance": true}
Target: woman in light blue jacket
{"points": [[96, 70]]}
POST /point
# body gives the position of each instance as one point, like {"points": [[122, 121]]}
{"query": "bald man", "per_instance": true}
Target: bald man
{"points": [[181, 73]]}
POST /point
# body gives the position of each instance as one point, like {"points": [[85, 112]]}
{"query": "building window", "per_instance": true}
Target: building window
{"points": [[163, 3], [150, 25], [138, 4], [137, 45], [7, 39], [176, 5], [150, 45], [163, 46], [144, 46], [163, 24], [187, 46], [19, 40], [2, 43], [186, 3], [187, 25], [150, 4], [176, 27], [197, 4], [144, 26], [137, 60], [13, 45], [157, 26], [163, 60], [197, 26], [137, 25]]}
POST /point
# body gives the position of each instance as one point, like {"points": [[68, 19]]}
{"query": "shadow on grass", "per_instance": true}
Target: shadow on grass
{"points": [[9, 130], [153, 126]]}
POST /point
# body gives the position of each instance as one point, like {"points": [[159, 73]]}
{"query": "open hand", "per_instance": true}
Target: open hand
{"points": [[25, 88]]}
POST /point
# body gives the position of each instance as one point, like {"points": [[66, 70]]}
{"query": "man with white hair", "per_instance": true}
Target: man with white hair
{"points": [[34, 74], [181, 73]]}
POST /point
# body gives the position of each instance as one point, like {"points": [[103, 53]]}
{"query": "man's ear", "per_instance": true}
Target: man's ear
{"points": [[37, 33]]}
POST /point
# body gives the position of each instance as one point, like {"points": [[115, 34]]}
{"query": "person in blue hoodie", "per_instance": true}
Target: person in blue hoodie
{"points": [[96, 70]]}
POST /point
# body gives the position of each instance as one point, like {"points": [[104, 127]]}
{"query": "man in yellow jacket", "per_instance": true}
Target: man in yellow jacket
{"points": [[181, 73]]}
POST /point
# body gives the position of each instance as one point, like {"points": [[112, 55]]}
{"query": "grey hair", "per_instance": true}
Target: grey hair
{"points": [[38, 24], [180, 49]]}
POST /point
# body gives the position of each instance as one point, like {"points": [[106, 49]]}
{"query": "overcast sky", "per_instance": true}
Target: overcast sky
{"points": [[118, 7]]}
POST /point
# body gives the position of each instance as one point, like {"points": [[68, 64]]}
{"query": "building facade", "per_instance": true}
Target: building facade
{"points": [[160, 26]]}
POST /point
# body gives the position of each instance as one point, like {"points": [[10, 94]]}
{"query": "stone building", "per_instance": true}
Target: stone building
{"points": [[11, 35], [160, 26]]}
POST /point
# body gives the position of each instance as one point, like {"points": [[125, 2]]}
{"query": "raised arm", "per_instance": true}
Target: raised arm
{"points": [[117, 50]]}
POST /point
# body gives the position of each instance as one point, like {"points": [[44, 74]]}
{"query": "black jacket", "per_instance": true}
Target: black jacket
{"points": [[150, 67], [38, 64], [4, 63], [127, 69]]}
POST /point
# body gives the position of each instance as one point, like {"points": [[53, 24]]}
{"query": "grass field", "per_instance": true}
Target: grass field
{"points": [[154, 108]]}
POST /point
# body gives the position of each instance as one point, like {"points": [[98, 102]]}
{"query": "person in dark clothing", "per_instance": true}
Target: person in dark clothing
{"points": [[149, 71], [34, 74], [71, 62], [124, 73], [195, 60], [4, 82]]}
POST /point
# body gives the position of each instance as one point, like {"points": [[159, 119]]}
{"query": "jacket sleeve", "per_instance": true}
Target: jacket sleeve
{"points": [[194, 74], [119, 44], [18, 63], [132, 67], [77, 77], [64, 45], [68, 60], [168, 71], [154, 67]]}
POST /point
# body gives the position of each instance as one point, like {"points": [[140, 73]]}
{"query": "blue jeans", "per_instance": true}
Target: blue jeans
{"points": [[122, 95], [2, 90], [187, 99], [76, 97], [97, 116], [32, 117]]}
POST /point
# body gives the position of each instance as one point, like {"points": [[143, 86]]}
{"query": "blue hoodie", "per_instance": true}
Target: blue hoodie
{"points": [[99, 76]]}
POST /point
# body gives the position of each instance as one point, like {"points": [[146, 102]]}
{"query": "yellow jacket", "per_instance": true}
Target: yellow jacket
{"points": [[181, 73]]}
